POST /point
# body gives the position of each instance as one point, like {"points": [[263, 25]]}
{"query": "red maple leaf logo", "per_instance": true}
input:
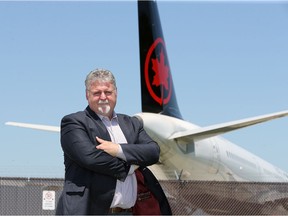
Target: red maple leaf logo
{"points": [[161, 71]]}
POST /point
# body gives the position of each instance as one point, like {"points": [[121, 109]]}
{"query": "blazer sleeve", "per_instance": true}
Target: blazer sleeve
{"points": [[141, 149], [78, 147]]}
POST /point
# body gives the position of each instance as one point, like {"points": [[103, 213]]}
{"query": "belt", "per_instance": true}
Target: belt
{"points": [[119, 210]]}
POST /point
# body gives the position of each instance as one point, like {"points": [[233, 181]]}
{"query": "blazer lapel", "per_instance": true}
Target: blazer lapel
{"points": [[98, 125], [124, 124]]}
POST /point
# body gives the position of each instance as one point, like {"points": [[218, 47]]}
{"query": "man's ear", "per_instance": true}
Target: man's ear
{"points": [[86, 92]]}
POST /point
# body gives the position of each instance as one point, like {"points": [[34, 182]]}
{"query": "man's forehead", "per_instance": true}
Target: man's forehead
{"points": [[101, 84]]}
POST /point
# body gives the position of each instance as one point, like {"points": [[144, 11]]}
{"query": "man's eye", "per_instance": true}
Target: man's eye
{"points": [[98, 94], [107, 93]]}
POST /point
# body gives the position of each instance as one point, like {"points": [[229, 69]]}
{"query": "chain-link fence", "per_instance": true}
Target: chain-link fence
{"points": [[227, 198], [39, 196], [25, 196]]}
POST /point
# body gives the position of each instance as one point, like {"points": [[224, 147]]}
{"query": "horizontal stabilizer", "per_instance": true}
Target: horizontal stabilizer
{"points": [[215, 130], [35, 126]]}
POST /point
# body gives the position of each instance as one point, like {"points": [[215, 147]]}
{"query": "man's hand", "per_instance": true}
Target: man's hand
{"points": [[107, 146]]}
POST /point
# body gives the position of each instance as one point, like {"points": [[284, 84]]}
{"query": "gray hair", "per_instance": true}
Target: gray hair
{"points": [[101, 75]]}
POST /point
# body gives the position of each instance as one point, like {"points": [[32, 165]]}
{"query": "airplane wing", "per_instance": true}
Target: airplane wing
{"points": [[195, 134], [35, 126], [214, 130]]}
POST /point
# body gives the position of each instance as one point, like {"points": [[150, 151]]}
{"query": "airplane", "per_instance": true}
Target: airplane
{"points": [[188, 151]]}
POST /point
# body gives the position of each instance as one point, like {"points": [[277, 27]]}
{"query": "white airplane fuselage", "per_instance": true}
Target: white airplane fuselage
{"points": [[213, 158]]}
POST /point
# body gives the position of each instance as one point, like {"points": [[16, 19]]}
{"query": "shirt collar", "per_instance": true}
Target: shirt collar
{"points": [[114, 116]]}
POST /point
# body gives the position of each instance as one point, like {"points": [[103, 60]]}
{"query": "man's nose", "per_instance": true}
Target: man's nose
{"points": [[103, 95]]}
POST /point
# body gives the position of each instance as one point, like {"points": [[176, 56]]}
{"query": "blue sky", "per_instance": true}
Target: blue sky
{"points": [[228, 61]]}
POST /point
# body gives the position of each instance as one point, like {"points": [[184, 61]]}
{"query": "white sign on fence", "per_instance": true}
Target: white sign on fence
{"points": [[48, 200]]}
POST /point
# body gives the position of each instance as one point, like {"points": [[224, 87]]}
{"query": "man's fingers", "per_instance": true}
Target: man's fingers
{"points": [[98, 147], [99, 139]]}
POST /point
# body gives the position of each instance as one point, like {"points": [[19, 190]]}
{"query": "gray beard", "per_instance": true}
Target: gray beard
{"points": [[104, 109]]}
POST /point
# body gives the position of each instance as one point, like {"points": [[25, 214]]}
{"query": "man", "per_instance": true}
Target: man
{"points": [[102, 151]]}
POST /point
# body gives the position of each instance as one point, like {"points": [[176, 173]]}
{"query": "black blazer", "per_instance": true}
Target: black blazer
{"points": [[91, 174]]}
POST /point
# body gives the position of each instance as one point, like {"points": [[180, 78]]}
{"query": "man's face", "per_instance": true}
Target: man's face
{"points": [[102, 97]]}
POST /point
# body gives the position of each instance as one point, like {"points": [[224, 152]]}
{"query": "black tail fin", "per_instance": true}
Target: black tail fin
{"points": [[158, 95]]}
